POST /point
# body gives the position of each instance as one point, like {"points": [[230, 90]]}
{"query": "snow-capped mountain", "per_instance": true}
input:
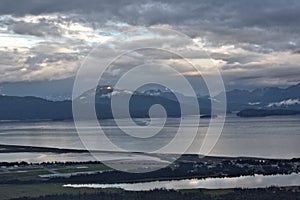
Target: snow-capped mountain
{"points": [[104, 92], [269, 98]]}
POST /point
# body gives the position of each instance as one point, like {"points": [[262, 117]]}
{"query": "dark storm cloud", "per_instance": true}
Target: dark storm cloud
{"points": [[259, 22], [237, 13], [256, 29], [275, 75], [36, 29], [37, 7]]}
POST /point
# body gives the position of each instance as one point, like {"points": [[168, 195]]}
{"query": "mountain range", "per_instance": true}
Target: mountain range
{"points": [[34, 108], [265, 98]]}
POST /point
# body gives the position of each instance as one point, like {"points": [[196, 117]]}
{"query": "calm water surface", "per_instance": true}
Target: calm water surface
{"points": [[257, 181], [269, 137]]}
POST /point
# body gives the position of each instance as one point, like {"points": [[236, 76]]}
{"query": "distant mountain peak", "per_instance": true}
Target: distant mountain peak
{"points": [[104, 89], [156, 91], [108, 91], [267, 97]]}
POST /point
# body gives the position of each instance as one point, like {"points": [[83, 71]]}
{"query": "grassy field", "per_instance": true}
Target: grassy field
{"points": [[27, 173], [21, 179], [36, 190], [83, 168]]}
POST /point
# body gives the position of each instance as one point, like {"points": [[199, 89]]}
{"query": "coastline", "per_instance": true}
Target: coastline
{"points": [[53, 175]]}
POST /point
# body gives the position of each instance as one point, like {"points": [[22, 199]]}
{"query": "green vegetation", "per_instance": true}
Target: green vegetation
{"points": [[36, 190], [31, 174], [88, 168], [54, 193], [18, 180]]}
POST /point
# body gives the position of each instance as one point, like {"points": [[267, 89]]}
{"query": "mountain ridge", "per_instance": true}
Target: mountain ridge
{"points": [[32, 108]]}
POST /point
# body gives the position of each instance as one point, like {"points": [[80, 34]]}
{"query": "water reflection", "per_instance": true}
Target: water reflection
{"points": [[270, 137], [257, 181]]}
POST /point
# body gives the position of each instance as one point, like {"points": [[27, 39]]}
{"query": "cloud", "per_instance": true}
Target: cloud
{"points": [[288, 102], [44, 61], [252, 43], [35, 29]]}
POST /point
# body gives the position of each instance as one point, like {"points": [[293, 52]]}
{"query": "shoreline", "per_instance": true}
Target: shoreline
{"points": [[52, 191], [25, 177], [186, 166], [8, 148]]}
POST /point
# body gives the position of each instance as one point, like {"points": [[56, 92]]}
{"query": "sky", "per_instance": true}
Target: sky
{"points": [[44, 42]]}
